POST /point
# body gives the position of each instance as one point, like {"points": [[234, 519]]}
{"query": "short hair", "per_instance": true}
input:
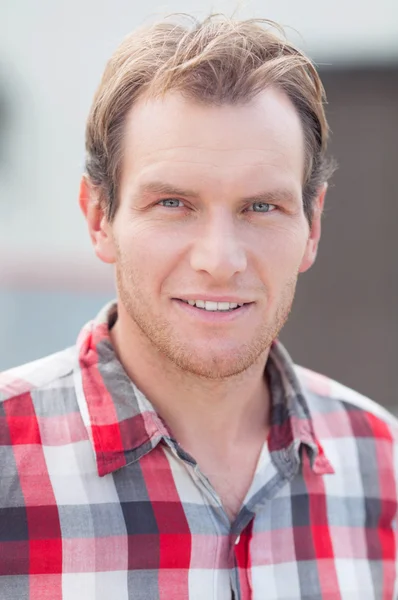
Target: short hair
{"points": [[215, 61]]}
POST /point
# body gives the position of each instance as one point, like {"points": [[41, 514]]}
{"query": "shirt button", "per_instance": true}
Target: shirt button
{"points": [[237, 540]]}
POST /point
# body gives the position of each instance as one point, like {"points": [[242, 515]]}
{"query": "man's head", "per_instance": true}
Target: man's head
{"points": [[206, 174]]}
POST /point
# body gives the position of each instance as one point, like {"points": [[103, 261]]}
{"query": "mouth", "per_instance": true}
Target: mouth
{"points": [[215, 307]]}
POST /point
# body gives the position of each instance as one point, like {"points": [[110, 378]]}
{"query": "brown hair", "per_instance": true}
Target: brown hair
{"points": [[213, 61]]}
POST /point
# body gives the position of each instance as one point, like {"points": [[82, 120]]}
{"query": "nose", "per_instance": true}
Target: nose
{"points": [[218, 249]]}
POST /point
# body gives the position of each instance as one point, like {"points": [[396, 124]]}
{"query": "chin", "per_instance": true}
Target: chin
{"points": [[221, 365]]}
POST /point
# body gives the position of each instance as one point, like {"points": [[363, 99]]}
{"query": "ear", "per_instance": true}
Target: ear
{"points": [[315, 231], [99, 228]]}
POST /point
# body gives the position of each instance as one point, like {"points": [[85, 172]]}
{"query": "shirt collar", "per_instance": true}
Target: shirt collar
{"points": [[123, 425], [292, 428]]}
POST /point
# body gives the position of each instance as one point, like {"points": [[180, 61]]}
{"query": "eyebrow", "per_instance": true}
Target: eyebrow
{"points": [[166, 189]]}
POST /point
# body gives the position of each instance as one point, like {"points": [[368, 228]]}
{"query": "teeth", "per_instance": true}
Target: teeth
{"points": [[224, 306], [213, 306]]}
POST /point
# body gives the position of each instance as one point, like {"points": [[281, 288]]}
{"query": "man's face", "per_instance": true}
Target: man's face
{"points": [[210, 210]]}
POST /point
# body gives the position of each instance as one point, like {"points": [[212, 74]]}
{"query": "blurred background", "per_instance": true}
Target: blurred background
{"points": [[345, 319]]}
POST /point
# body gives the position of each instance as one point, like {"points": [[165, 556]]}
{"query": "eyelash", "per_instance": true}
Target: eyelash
{"points": [[264, 203]]}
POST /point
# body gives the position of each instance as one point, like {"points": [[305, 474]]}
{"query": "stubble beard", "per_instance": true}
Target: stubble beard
{"points": [[159, 333]]}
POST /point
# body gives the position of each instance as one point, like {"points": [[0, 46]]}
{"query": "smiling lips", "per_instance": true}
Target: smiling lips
{"points": [[214, 306]]}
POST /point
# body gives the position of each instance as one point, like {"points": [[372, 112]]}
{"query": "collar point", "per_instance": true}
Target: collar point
{"points": [[105, 466], [322, 466]]}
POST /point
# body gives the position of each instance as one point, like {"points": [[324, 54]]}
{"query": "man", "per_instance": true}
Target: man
{"points": [[177, 452]]}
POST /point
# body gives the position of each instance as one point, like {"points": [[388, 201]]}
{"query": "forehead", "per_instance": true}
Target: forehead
{"points": [[177, 135]]}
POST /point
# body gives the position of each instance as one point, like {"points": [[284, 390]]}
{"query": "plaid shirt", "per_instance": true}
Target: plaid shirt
{"points": [[99, 502]]}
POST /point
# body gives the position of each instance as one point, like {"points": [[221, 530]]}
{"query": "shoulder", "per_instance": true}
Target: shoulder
{"points": [[49, 371], [332, 405]]}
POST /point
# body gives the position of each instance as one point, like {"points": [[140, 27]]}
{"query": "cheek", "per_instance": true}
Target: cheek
{"points": [[147, 252], [136, 239], [282, 252], [152, 232]]}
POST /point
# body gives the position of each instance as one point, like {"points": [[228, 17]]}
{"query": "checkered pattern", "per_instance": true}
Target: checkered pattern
{"points": [[98, 502]]}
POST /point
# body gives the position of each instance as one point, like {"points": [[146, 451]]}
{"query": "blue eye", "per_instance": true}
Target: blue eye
{"points": [[171, 203], [262, 207]]}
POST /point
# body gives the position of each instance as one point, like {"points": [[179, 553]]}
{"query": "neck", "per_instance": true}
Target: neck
{"points": [[224, 414]]}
